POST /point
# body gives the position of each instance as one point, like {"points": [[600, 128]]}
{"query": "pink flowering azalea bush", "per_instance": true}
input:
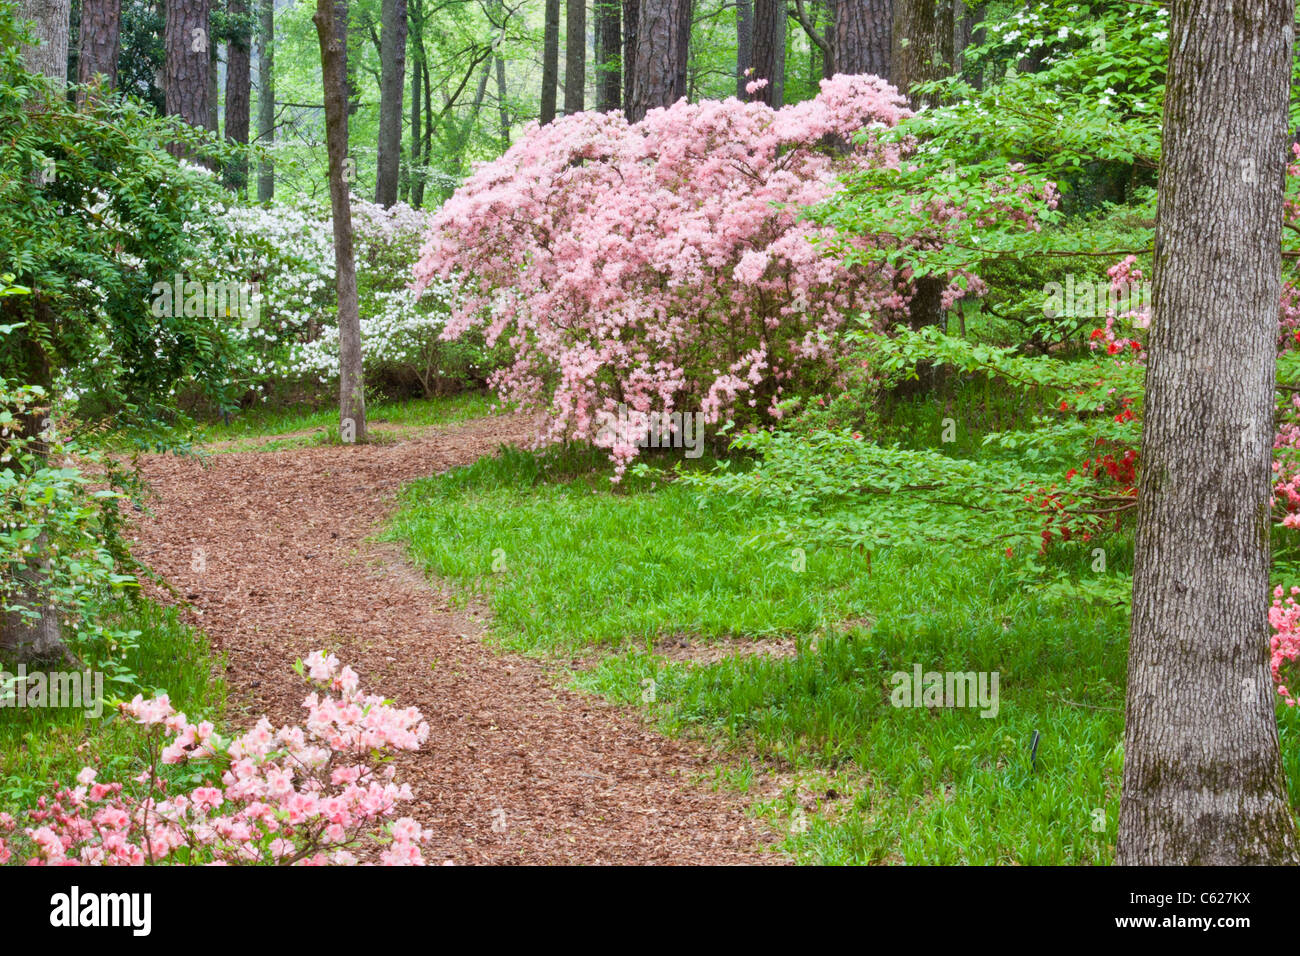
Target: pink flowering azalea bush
{"points": [[309, 794], [665, 265]]}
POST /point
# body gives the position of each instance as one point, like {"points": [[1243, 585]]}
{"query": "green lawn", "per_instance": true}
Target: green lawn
{"points": [[572, 567], [46, 747], [322, 424]]}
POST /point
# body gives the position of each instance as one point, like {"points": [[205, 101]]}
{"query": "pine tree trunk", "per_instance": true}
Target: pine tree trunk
{"points": [[631, 18], [575, 56], [352, 402], [921, 48], [266, 98], [608, 53], [684, 14], [769, 50], [1203, 779], [188, 62], [238, 95], [863, 36], [392, 82], [550, 61], [657, 61], [744, 44], [99, 43]]}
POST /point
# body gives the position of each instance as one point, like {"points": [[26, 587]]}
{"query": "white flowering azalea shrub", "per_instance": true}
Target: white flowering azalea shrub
{"points": [[291, 343]]}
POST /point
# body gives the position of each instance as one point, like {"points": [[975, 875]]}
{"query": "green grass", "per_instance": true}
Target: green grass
{"points": [[44, 747], [579, 565], [262, 422]]}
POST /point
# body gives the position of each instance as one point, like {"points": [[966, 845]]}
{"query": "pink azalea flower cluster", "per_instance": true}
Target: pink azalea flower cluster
{"points": [[306, 795], [665, 265], [1284, 616]]}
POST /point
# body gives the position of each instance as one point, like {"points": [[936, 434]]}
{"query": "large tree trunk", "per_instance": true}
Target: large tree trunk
{"points": [[657, 62], [1203, 781], [392, 82], [266, 98], [575, 56], [188, 61], [921, 51], [921, 48], [769, 50], [50, 26], [40, 636], [744, 44], [352, 401], [608, 53], [99, 43], [238, 95], [550, 61], [863, 36]]}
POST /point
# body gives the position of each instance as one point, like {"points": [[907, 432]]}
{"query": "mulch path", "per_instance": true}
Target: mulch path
{"points": [[272, 552]]}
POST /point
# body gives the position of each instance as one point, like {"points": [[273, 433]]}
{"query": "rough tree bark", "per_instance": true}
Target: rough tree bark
{"points": [[40, 636], [1203, 780], [656, 63], [921, 47], [100, 43], [608, 43], [744, 44], [863, 36], [769, 50], [392, 82], [50, 26], [238, 92], [631, 15], [575, 56], [188, 62], [352, 401], [685, 14], [550, 61], [266, 97]]}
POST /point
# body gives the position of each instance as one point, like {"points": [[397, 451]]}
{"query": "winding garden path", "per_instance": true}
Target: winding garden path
{"points": [[273, 553]]}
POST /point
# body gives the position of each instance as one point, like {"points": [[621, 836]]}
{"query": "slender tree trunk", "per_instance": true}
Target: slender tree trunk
{"points": [[238, 95], [186, 69], [266, 98], [575, 56], [416, 33], [1203, 779], [214, 90], [392, 81], [744, 44], [503, 102], [863, 36], [684, 15], [608, 54], [550, 61], [99, 43], [631, 18], [769, 50], [657, 61], [352, 400], [499, 62]]}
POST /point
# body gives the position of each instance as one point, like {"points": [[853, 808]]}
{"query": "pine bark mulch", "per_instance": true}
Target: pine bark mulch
{"points": [[273, 553]]}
